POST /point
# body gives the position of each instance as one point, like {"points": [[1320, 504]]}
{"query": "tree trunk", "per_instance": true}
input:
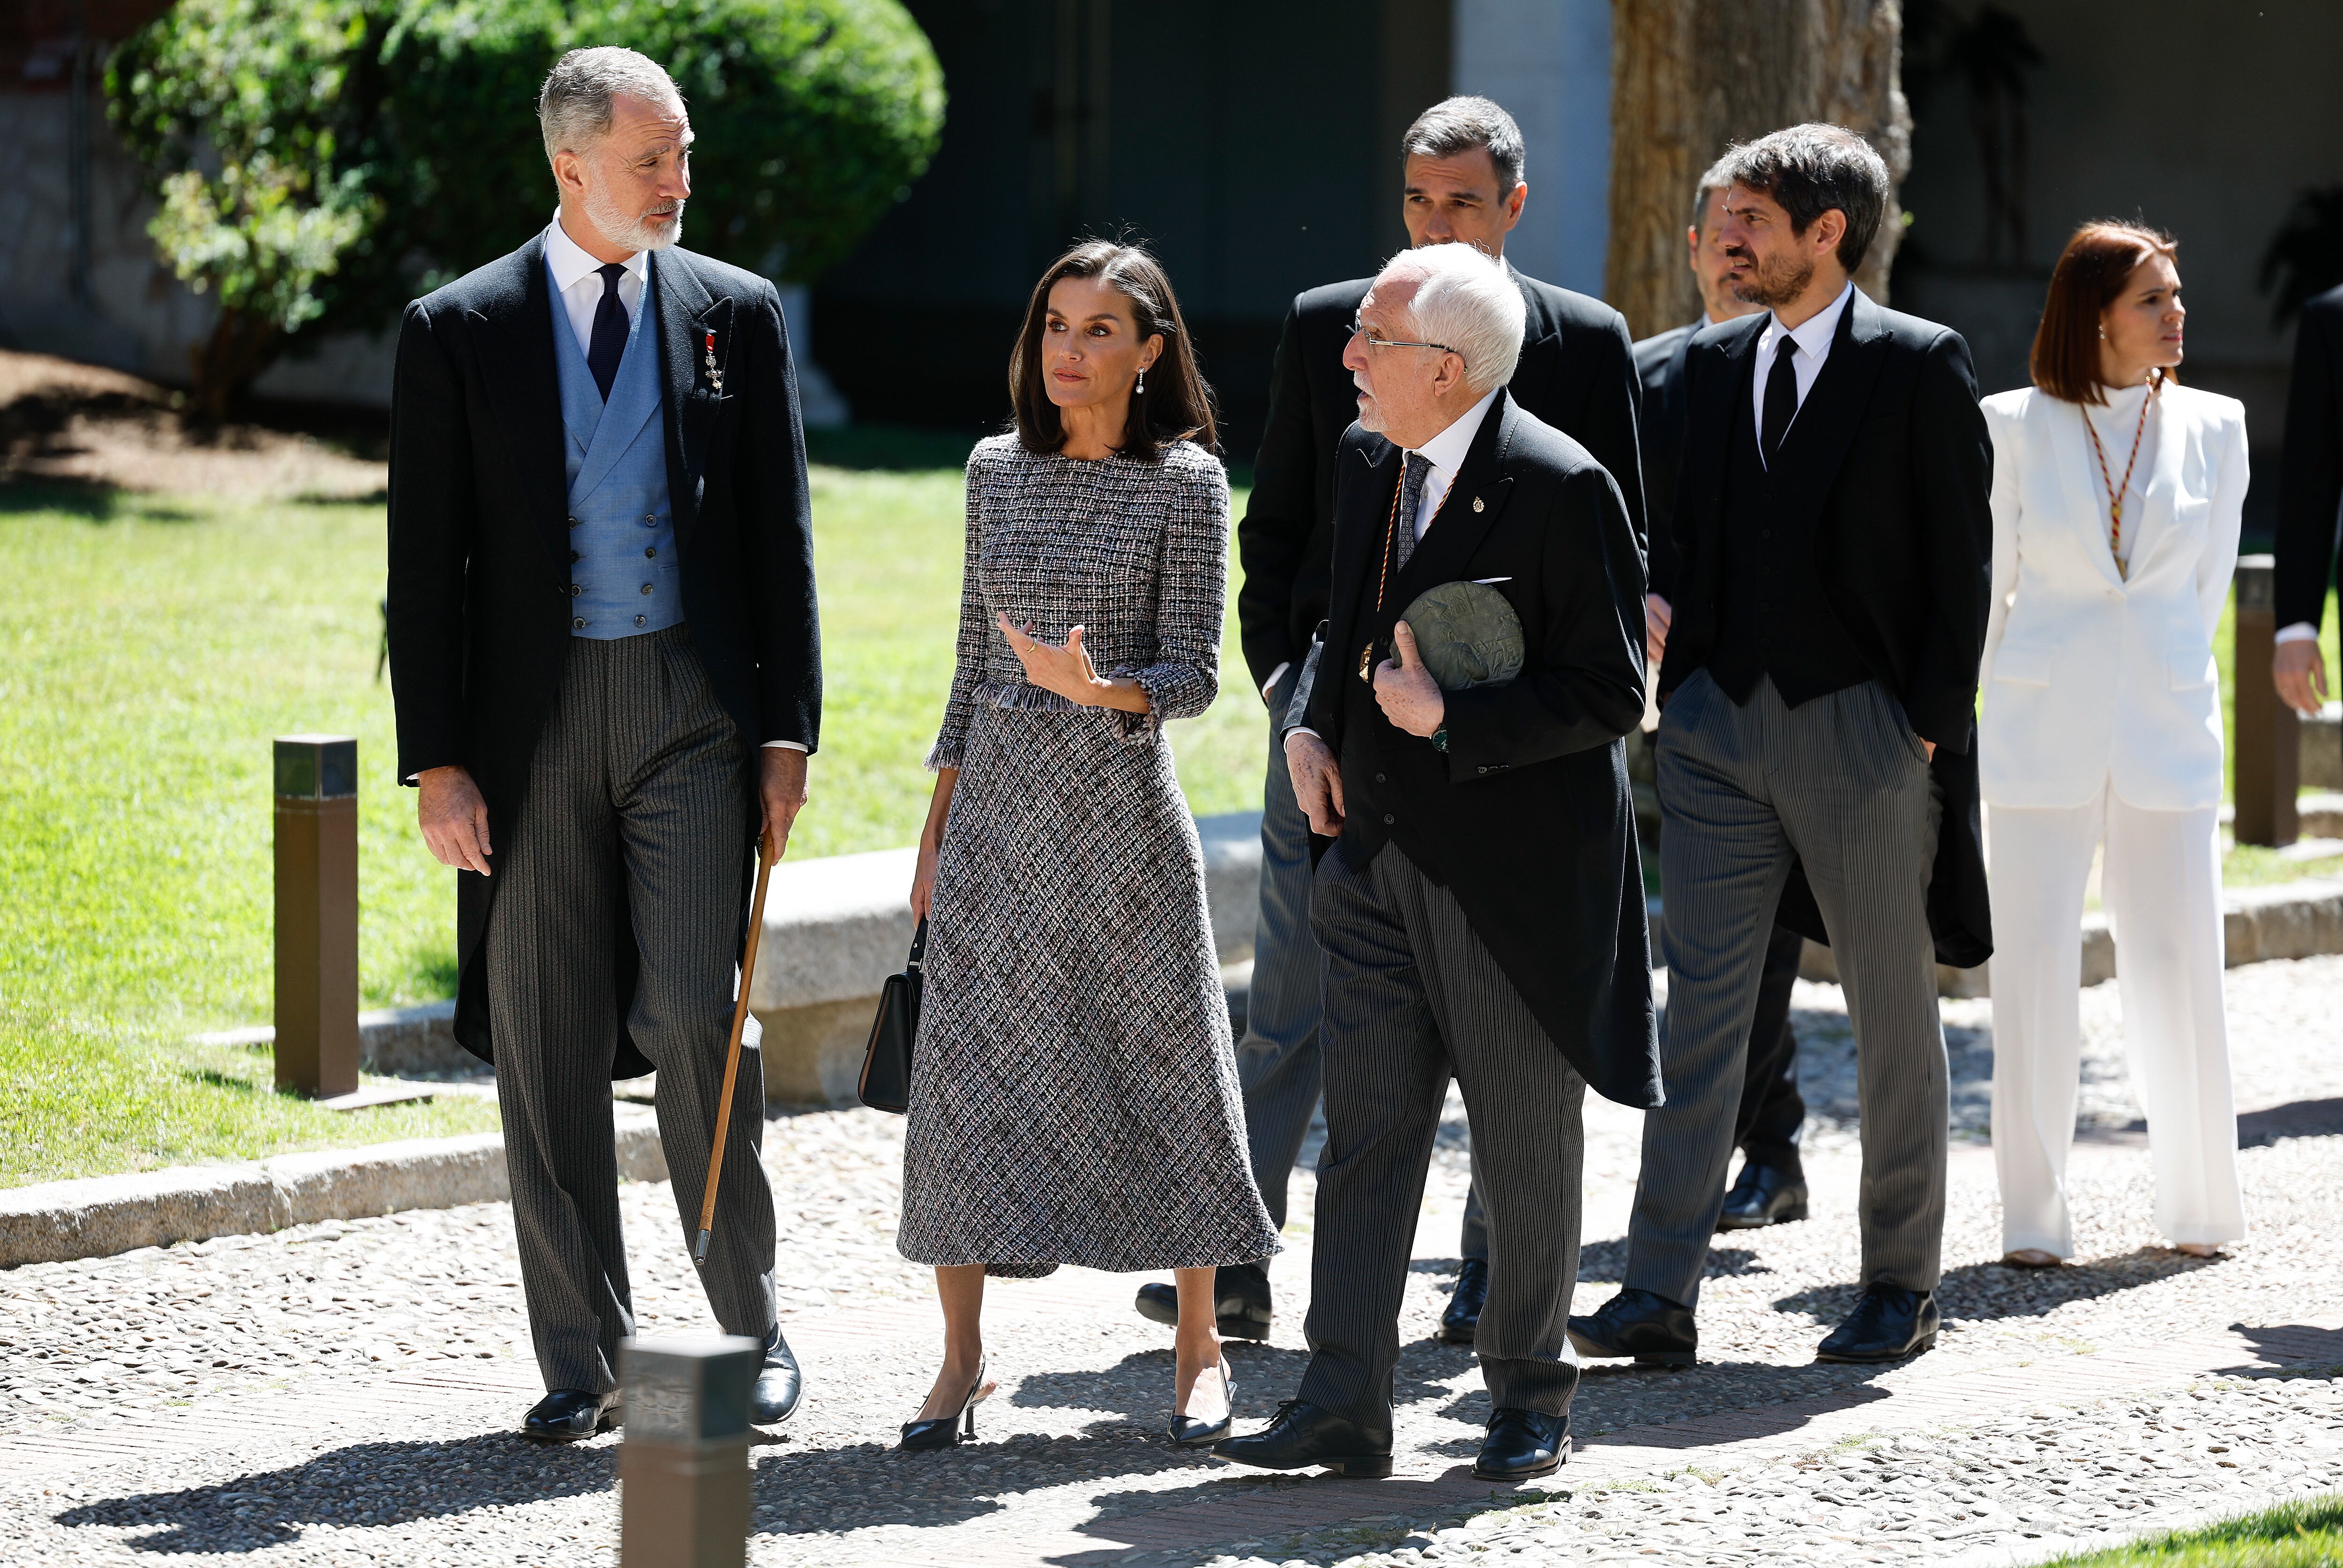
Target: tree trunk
{"points": [[241, 345], [1688, 77]]}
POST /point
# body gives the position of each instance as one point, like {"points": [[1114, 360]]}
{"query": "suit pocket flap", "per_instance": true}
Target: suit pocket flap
{"points": [[2190, 670], [2022, 665]]}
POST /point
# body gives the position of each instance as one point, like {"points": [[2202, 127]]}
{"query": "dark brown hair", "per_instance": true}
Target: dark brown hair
{"points": [[1177, 405], [2090, 272], [1808, 170]]}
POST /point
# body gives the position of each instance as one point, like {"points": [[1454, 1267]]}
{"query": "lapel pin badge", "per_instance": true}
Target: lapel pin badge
{"points": [[1476, 504], [715, 376]]}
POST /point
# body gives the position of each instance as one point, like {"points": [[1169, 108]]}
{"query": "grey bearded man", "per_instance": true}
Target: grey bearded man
{"points": [[608, 680]]}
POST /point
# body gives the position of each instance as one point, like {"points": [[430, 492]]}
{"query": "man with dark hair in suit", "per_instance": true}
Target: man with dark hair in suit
{"points": [[1482, 914], [2311, 489], [1771, 1187], [1462, 181], [1836, 537], [608, 678]]}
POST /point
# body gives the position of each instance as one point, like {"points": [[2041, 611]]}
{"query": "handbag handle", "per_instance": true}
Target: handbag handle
{"points": [[918, 949]]}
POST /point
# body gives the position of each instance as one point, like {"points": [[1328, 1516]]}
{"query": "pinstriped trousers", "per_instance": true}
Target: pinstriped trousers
{"points": [[1277, 1060], [639, 811], [1841, 783], [1412, 999]]}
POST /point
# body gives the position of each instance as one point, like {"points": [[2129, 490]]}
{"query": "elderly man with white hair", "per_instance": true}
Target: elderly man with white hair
{"points": [[608, 678], [1481, 913]]}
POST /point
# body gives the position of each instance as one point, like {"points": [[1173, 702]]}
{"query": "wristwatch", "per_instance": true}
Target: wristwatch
{"points": [[1440, 738]]}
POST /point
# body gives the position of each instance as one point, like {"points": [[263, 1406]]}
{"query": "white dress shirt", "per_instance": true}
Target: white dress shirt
{"points": [[577, 282], [1445, 453], [577, 285], [1813, 337]]}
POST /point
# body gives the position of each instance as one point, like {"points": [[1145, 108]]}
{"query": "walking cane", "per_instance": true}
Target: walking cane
{"points": [[732, 1058]]}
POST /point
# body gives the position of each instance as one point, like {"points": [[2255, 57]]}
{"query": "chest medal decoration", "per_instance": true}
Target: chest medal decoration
{"points": [[715, 376]]}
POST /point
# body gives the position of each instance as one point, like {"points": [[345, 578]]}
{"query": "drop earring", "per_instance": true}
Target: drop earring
{"points": [[1141, 388]]}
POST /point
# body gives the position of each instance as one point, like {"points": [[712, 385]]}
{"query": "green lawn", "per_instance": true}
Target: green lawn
{"points": [[153, 647], [2295, 1536]]}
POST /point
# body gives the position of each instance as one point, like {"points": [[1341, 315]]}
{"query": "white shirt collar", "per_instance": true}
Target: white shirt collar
{"points": [[1447, 450], [570, 262], [1813, 335]]}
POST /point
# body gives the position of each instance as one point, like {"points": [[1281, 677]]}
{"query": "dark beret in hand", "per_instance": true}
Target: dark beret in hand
{"points": [[1467, 634]]}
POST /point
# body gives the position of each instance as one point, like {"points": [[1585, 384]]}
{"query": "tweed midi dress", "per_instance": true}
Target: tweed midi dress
{"points": [[1074, 1092]]}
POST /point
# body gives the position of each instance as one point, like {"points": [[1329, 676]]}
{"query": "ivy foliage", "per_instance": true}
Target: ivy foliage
{"points": [[318, 163]]}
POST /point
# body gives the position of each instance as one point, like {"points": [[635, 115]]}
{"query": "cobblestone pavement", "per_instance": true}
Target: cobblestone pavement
{"points": [[344, 1393]]}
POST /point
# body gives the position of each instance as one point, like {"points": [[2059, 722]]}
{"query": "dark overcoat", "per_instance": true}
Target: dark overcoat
{"points": [[1885, 478], [1575, 373], [1526, 817], [479, 605]]}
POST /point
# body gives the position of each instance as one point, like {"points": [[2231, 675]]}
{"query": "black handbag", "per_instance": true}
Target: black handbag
{"points": [[886, 1081]]}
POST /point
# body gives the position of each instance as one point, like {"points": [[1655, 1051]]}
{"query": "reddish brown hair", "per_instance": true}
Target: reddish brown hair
{"points": [[2090, 272]]}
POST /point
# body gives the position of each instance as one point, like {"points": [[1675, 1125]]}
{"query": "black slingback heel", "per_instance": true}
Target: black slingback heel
{"points": [[945, 1430]]}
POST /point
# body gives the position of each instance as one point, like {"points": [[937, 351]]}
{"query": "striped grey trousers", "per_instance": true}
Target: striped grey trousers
{"points": [[1841, 784], [639, 811], [1412, 999], [1277, 1060]]}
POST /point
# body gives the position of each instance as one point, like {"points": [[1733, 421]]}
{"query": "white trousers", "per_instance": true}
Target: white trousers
{"points": [[2161, 886]]}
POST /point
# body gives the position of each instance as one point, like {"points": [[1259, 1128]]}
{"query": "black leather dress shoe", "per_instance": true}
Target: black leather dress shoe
{"points": [[1889, 1323], [1240, 1301], [779, 1386], [1764, 1195], [1522, 1444], [570, 1415], [1653, 1329], [1461, 1320], [1305, 1437]]}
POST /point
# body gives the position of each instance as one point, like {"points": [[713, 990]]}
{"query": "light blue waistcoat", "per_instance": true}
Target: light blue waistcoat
{"points": [[621, 528]]}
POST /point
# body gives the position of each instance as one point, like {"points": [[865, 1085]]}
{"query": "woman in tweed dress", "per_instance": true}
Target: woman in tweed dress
{"points": [[1074, 1089]]}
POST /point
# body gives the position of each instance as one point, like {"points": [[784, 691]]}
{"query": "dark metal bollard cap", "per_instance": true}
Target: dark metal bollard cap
{"points": [[316, 767], [689, 1391]]}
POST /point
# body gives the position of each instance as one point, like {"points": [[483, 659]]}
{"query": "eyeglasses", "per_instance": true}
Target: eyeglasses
{"points": [[1360, 329]]}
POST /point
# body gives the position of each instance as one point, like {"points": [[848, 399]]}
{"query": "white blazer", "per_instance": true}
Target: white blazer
{"points": [[2091, 677]]}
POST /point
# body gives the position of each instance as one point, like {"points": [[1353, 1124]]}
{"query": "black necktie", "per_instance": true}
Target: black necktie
{"points": [[1411, 501], [1781, 397], [609, 345]]}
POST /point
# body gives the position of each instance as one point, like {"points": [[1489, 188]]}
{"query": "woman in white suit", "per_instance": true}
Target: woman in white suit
{"points": [[2116, 495]]}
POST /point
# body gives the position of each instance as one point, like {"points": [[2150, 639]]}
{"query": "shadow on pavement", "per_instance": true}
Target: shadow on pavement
{"points": [[368, 1483]]}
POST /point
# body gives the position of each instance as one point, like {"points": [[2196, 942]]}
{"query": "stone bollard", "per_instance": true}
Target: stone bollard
{"points": [[684, 1466], [2268, 763], [318, 915]]}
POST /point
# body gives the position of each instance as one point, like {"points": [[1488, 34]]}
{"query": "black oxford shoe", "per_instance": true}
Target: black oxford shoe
{"points": [[1653, 1329], [1764, 1195], [1461, 1320], [1305, 1437], [1523, 1443], [1889, 1323], [1240, 1301], [571, 1416], [781, 1386]]}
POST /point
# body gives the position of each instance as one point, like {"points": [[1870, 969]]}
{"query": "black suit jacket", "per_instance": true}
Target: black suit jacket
{"points": [[1884, 479], [1526, 817], [2311, 481], [1659, 369], [479, 605], [1575, 373]]}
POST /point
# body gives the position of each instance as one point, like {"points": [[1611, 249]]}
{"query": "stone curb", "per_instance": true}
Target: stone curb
{"points": [[56, 1221]]}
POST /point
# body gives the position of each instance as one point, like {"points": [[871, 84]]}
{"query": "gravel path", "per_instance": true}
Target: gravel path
{"points": [[314, 1323]]}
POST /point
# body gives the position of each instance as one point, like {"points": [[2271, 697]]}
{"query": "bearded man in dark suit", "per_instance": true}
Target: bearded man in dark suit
{"points": [[608, 679], [1482, 914], [1818, 714], [1462, 182], [1771, 1187]]}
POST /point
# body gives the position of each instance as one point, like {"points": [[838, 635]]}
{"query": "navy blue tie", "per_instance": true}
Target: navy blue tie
{"points": [[609, 345]]}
